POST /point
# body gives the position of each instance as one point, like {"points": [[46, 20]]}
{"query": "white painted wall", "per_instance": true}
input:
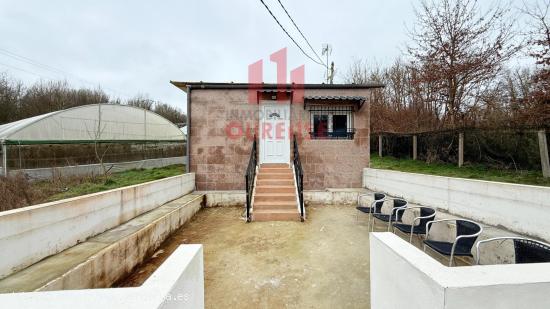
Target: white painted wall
{"points": [[402, 276], [30, 234], [520, 208], [177, 283]]}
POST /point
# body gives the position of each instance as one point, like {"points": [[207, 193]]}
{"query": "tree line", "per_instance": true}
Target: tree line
{"points": [[18, 101], [457, 71]]}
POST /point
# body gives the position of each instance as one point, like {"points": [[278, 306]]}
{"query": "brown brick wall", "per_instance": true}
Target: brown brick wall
{"points": [[219, 159]]}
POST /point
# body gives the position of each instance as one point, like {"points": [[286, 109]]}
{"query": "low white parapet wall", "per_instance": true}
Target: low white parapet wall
{"points": [[32, 233], [402, 276], [520, 208], [177, 283]]}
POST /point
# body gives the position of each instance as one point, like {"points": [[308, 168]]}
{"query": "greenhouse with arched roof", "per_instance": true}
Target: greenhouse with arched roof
{"points": [[89, 134]]}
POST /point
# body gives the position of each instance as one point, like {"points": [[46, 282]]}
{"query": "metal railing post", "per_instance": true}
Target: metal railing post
{"points": [[5, 158]]}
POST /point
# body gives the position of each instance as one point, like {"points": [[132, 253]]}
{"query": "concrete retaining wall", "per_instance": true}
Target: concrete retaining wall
{"points": [[337, 197], [402, 276], [30, 234], [520, 208], [224, 198], [177, 283], [346, 197], [95, 169]]}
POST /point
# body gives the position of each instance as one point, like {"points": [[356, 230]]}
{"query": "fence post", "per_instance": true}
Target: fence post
{"points": [[460, 149], [415, 147], [380, 146], [544, 160], [5, 158]]}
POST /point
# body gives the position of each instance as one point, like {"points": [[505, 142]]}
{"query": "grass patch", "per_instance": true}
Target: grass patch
{"points": [[67, 188], [480, 172]]}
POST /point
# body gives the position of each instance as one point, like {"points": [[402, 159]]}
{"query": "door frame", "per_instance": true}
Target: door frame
{"points": [[262, 147]]}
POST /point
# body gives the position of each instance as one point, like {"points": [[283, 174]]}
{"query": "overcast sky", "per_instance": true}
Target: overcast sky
{"points": [[131, 47]]}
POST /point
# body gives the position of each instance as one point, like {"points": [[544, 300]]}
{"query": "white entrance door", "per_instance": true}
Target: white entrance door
{"points": [[274, 132]]}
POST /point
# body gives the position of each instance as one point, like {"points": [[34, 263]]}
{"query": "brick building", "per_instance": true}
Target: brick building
{"points": [[330, 122]]}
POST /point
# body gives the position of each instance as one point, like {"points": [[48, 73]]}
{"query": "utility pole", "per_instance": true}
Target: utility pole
{"points": [[327, 51]]}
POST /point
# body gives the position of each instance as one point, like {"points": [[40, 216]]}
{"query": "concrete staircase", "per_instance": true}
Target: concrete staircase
{"points": [[275, 194]]}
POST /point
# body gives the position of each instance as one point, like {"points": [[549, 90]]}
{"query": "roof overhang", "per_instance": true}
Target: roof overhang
{"points": [[357, 101], [186, 86]]}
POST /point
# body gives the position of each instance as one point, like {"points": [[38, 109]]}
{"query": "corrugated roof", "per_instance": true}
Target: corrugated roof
{"points": [[335, 97]]}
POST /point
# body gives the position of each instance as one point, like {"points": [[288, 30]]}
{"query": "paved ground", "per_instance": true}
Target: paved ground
{"points": [[322, 263]]}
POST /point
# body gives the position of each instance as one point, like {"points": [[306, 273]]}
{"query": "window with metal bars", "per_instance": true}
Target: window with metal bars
{"points": [[331, 122]]}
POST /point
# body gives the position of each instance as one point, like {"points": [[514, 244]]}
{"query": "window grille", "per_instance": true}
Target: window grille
{"points": [[331, 122]]}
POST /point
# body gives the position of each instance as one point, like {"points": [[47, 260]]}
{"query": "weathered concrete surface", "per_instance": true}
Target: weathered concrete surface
{"points": [[104, 259], [333, 197], [30, 234], [342, 197], [224, 198], [178, 283], [322, 263]]}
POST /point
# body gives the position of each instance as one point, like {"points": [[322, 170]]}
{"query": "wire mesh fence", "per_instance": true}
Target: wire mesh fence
{"points": [[504, 149], [38, 156]]}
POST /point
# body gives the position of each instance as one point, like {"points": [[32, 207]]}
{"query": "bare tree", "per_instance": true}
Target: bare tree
{"points": [[10, 96], [142, 101], [538, 104], [461, 50]]}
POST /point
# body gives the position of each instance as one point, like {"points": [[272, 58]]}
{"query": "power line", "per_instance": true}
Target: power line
{"points": [[51, 69], [25, 71], [283, 28], [298, 28]]}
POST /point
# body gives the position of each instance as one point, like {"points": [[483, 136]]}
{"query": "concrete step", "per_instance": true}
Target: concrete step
{"points": [[275, 170], [272, 206], [104, 259], [274, 197], [262, 176], [275, 182], [276, 215], [275, 189], [275, 165]]}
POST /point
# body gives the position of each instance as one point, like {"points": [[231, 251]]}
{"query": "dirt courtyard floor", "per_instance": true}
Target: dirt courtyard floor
{"points": [[321, 263]]}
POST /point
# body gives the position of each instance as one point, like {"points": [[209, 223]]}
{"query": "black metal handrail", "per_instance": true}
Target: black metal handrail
{"points": [[250, 177], [299, 172]]}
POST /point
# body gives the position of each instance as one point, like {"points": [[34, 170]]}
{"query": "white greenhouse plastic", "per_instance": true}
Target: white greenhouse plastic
{"points": [[97, 122], [102, 123]]}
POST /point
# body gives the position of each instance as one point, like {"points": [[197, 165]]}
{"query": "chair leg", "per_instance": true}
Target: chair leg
{"points": [[424, 247], [411, 239], [451, 261]]}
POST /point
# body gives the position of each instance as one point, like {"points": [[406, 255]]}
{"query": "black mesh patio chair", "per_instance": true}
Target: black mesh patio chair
{"points": [[526, 250], [427, 214], [378, 199], [393, 216], [466, 234]]}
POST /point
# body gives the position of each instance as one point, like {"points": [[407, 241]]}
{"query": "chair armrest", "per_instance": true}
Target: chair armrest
{"points": [[425, 217], [465, 236]]}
